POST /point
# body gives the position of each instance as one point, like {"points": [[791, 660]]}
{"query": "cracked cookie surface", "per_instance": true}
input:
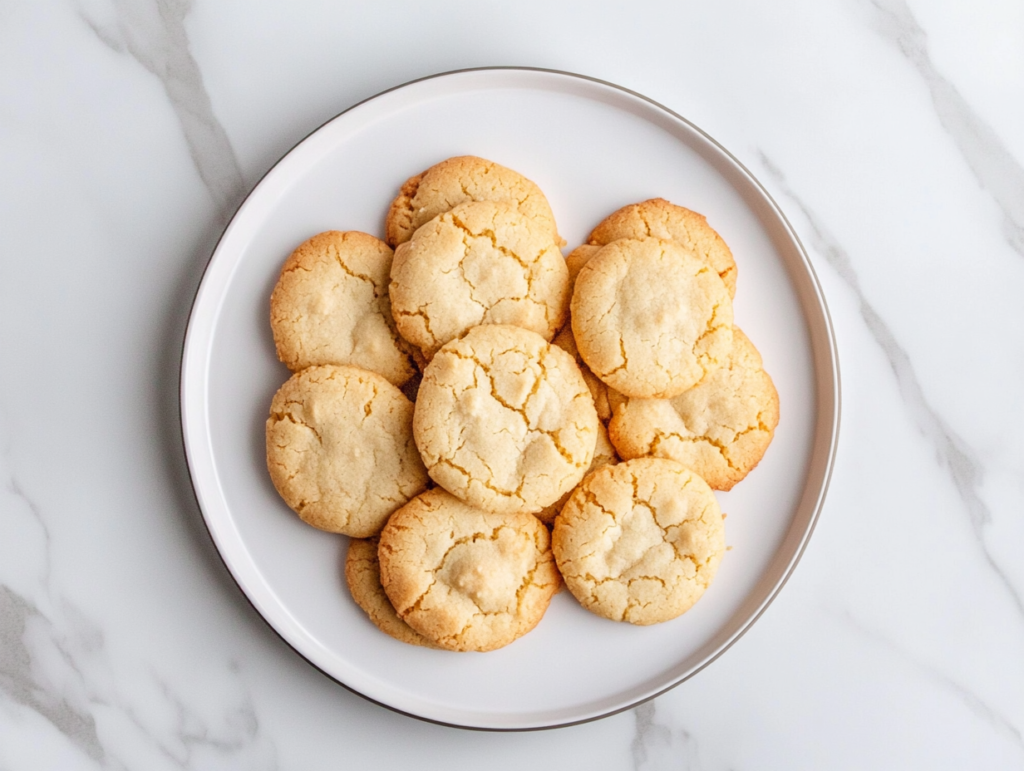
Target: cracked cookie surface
{"points": [[604, 454], [720, 428], [504, 420], [331, 306], [649, 318], [658, 218], [340, 449], [480, 263], [639, 541], [458, 180], [605, 397], [362, 574], [467, 579]]}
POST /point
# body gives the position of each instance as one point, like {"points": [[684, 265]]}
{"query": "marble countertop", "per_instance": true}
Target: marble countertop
{"points": [[890, 132]]}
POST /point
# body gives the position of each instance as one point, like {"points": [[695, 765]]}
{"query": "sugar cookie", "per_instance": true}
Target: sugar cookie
{"points": [[340, 449], [480, 263], [504, 420], [331, 306], [649, 318], [639, 541], [467, 579]]}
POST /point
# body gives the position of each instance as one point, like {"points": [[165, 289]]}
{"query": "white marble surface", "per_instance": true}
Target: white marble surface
{"points": [[891, 132]]}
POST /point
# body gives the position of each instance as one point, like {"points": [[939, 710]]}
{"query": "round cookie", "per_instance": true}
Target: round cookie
{"points": [[657, 218], [340, 449], [649, 318], [331, 306], [459, 180], [480, 263], [604, 454], [467, 579], [639, 541], [504, 420], [362, 574], [720, 428]]}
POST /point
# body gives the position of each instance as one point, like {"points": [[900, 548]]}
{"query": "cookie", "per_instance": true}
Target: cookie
{"points": [[340, 449], [466, 579], [577, 258], [331, 306], [362, 574], [480, 263], [459, 180], [604, 453], [605, 397], [649, 318], [504, 420], [720, 428], [657, 218], [639, 541]]}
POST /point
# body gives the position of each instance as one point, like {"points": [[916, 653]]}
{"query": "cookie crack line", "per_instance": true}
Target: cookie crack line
{"points": [[348, 271], [289, 418], [662, 436], [517, 493], [525, 264]]}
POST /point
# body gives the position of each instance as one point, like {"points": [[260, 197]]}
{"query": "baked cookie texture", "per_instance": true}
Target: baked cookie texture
{"points": [[479, 263], [362, 574], [605, 397], [458, 180], [649, 318], [604, 453], [657, 218], [720, 428], [331, 306], [639, 541], [340, 449], [504, 420], [467, 579]]}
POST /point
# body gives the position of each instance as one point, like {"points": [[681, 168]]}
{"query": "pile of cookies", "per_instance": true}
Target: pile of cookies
{"points": [[453, 399]]}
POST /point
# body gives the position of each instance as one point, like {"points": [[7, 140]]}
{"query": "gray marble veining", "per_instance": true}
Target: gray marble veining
{"points": [[153, 33], [991, 162], [956, 456], [985, 711], [657, 745], [19, 684]]}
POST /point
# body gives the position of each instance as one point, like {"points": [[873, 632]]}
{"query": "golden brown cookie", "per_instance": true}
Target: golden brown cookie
{"points": [[331, 306], [467, 579], [604, 454], [720, 428], [639, 541], [504, 420], [362, 573], [657, 218], [480, 263], [459, 180], [649, 318], [340, 449]]}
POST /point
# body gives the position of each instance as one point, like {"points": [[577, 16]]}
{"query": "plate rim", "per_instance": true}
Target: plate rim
{"points": [[831, 368]]}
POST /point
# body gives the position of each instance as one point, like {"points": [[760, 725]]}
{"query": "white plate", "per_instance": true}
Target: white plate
{"points": [[592, 147]]}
